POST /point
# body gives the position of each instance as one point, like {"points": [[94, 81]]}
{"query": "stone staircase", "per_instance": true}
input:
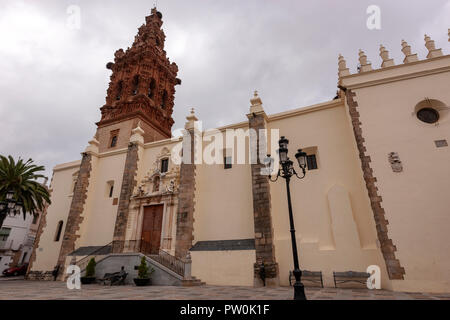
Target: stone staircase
{"points": [[171, 266], [180, 266]]}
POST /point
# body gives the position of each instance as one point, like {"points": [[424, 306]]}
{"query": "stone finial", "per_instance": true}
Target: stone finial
{"points": [[362, 57], [432, 51], [138, 129], [256, 100], [191, 115], [137, 134], [365, 65], [406, 49], [92, 148], [343, 70], [191, 119], [256, 103], [384, 54]]}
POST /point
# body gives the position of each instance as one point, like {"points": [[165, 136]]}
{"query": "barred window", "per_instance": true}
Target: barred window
{"points": [[312, 162]]}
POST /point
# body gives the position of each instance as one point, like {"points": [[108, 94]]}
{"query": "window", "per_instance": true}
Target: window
{"points": [[311, 161], [113, 138], [227, 161], [4, 233], [428, 115], [441, 143], [113, 141], [135, 85], [151, 89], [164, 100], [227, 158], [35, 218], [164, 165], [109, 189], [58, 231], [119, 90]]}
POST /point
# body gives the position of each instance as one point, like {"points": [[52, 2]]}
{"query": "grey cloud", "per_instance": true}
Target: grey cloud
{"points": [[54, 80]]}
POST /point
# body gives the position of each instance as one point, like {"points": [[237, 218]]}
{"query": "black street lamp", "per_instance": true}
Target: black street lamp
{"points": [[9, 206], [286, 171]]}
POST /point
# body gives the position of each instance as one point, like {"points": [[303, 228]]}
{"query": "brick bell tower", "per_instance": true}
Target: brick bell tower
{"points": [[142, 88]]}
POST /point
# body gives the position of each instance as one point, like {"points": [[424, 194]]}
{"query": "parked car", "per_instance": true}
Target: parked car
{"points": [[16, 271]]}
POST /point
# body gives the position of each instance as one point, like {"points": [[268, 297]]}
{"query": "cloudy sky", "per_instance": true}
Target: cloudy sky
{"points": [[53, 78]]}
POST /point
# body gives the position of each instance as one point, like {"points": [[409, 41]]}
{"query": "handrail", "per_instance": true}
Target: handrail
{"points": [[169, 261], [173, 263], [83, 262]]}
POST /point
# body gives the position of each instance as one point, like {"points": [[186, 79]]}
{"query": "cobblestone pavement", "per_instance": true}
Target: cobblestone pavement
{"points": [[38, 290]]}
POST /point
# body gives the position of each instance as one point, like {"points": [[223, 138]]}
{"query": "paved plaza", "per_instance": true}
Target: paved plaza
{"points": [[43, 290]]}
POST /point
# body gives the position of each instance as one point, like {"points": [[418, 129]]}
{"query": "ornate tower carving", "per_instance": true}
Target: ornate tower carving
{"points": [[142, 87]]}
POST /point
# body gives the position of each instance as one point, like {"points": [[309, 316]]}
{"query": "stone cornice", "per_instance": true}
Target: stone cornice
{"points": [[304, 110], [137, 113], [68, 165], [351, 82], [162, 142], [399, 78], [113, 153]]}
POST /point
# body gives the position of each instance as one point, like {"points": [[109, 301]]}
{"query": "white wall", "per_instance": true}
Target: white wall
{"points": [[61, 189]]}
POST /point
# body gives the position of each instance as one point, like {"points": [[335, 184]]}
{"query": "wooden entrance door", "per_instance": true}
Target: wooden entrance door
{"points": [[151, 229]]}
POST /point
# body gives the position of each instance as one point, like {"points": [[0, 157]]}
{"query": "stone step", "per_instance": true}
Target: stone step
{"points": [[192, 283]]}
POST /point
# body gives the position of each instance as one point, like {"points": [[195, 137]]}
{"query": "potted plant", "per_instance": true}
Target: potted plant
{"points": [[90, 273], [144, 274]]}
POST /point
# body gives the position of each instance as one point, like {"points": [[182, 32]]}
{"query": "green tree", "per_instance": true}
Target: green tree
{"points": [[143, 270], [90, 268], [21, 177]]}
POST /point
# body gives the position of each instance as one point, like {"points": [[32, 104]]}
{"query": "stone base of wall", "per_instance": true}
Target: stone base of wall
{"points": [[272, 275], [40, 275]]}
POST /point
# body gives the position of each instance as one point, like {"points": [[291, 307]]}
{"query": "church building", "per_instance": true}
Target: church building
{"points": [[376, 190]]}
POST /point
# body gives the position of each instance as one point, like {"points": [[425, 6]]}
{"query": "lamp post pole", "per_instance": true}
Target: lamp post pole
{"points": [[286, 171], [299, 289]]}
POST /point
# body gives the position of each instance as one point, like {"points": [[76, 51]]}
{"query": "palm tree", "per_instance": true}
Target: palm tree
{"points": [[21, 178]]}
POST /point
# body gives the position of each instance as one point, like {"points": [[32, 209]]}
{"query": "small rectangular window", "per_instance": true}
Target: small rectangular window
{"points": [[227, 161], [109, 189], [164, 165], [4, 233], [58, 231], [113, 138], [35, 218], [312, 162], [441, 143], [113, 141]]}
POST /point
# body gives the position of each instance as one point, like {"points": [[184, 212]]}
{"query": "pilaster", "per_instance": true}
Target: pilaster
{"points": [[186, 203], [262, 212], [75, 217], [129, 182]]}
